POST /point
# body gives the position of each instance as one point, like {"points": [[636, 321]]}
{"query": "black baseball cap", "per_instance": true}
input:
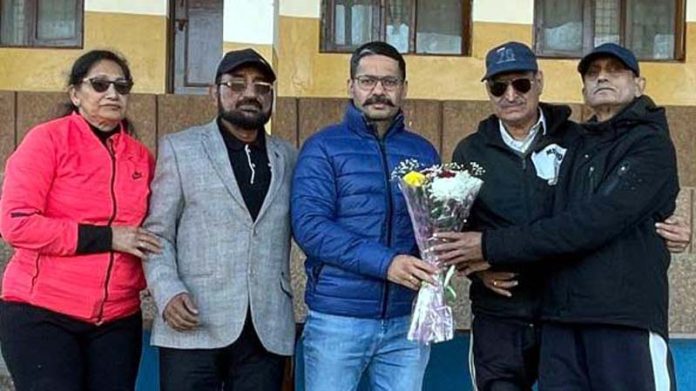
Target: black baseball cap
{"points": [[610, 49], [510, 57], [236, 58]]}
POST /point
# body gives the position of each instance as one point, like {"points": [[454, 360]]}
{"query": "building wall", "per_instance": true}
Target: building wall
{"points": [[295, 119], [306, 72], [137, 29], [286, 32]]}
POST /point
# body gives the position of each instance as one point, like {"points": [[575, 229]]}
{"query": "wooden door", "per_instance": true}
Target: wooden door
{"points": [[197, 48]]}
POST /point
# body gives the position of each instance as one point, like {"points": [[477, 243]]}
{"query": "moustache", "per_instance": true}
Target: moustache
{"points": [[249, 102], [506, 105], [602, 88], [378, 99]]}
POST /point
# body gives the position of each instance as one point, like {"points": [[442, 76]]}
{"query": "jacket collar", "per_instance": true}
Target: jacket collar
{"points": [[84, 126], [356, 121], [216, 151], [556, 118], [232, 142], [642, 111]]}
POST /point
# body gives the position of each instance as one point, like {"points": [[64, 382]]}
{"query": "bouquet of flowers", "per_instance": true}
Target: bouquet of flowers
{"points": [[439, 199]]}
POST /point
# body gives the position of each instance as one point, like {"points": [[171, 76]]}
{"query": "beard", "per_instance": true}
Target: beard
{"points": [[245, 119]]}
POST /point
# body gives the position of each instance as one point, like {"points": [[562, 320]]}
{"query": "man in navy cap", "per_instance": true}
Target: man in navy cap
{"points": [[220, 206], [606, 297], [521, 146]]}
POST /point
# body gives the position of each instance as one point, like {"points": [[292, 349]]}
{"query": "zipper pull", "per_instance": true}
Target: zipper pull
{"points": [[110, 146]]}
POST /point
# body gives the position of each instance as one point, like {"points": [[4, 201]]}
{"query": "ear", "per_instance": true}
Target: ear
{"points": [[349, 88], [540, 80], [404, 90], [72, 93], [640, 85], [213, 91]]}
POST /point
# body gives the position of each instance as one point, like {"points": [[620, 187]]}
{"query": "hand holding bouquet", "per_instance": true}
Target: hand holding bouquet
{"points": [[439, 199]]}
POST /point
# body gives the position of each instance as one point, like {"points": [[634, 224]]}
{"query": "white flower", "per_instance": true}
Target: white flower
{"points": [[459, 187]]}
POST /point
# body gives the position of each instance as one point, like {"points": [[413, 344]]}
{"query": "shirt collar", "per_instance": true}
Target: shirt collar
{"points": [[524, 144], [235, 144]]}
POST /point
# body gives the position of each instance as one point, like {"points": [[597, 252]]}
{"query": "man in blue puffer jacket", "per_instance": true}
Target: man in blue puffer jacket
{"points": [[351, 221]]}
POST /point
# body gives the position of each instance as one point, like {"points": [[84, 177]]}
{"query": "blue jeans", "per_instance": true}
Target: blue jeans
{"points": [[338, 350]]}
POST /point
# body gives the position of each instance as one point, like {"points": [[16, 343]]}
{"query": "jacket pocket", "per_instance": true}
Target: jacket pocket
{"points": [[285, 285], [316, 272], [618, 178], [35, 276]]}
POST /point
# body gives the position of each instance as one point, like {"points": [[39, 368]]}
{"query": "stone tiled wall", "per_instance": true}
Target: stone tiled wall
{"points": [[444, 123]]}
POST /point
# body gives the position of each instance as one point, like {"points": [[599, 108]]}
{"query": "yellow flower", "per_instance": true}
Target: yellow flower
{"points": [[414, 178]]}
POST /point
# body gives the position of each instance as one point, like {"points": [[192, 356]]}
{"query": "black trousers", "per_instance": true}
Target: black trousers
{"points": [[45, 350], [504, 353], [245, 365], [579, 357]]}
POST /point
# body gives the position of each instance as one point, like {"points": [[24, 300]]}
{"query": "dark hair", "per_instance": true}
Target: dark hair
{"points": [[376, 47], [84, 63]]}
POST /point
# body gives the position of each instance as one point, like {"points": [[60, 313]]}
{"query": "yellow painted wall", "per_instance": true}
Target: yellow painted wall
{"points": [[267, 51], [305, 72], [140, 38]]}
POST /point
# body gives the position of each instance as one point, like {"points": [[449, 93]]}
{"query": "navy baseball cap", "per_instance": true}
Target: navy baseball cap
{"points": [[236, 58], [610, 49], [510, 57]]}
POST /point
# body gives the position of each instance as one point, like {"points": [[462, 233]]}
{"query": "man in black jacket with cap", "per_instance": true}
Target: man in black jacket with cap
{"points": [[606, 297], [521, 146]]}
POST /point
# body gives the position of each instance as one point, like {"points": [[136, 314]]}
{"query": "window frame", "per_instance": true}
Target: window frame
{"points": [[588, 31], [327, 30], [31, 41]]}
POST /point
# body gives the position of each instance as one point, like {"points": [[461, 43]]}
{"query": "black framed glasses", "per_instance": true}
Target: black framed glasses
{"points": [[498, 88], [122, 86], [367, 82], [240, 85]]}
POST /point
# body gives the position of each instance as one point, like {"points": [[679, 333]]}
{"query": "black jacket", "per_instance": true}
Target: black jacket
{"points": [[610, 264], [512, 194]]}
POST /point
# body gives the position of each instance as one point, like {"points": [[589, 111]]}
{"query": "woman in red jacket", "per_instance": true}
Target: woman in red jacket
{"points": [[75, 193]]}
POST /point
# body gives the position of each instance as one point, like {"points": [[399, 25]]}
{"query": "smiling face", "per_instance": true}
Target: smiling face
{"points": [[104, 110], [608, 83]]}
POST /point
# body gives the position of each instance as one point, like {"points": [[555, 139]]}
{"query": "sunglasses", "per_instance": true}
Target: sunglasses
{"points": [[238, 86], [498, 88], [121, 86]]}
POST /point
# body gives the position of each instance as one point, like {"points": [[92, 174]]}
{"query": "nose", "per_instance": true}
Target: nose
{"points": [[111, 91], [379, 88], [249, 89], [510, 93], [602, 75]]}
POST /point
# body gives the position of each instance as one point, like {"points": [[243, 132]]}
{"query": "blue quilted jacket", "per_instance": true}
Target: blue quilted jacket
{"points": [[351, 219]]}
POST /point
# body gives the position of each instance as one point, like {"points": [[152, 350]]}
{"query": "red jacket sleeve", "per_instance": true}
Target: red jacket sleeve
{"points": [[29, 173]]}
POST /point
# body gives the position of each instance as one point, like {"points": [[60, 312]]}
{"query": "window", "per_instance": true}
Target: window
{"points": [[412, 26], [653, 30], [41, 23]]}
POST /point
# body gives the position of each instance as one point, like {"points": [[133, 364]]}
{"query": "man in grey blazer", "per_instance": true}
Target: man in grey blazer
{"points": [[220, 206]]}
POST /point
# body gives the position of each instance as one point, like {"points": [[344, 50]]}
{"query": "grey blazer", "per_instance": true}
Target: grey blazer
{"points": [[213, 250]]}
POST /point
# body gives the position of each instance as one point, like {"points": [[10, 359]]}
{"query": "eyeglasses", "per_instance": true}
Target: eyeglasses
{"points": [[122, 86], [367, 83], [498, 88], [239, 85]]}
